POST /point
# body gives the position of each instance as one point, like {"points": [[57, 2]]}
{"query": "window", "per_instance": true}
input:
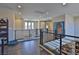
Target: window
{"points": [[32, 25], [29, 25], [25, 25]]}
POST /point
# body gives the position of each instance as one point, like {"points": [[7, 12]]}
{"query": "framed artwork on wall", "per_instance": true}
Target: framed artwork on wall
{"points": [[59, 27]]}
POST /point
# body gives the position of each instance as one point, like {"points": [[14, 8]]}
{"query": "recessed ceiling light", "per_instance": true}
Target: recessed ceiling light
{"points": [[19, 6]]}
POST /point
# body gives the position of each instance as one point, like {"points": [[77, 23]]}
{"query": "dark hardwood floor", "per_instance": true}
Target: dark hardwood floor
{"points": [[25, 48]]}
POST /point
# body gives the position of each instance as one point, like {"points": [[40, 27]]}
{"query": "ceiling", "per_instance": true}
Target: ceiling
{"points": [[41, 10]]}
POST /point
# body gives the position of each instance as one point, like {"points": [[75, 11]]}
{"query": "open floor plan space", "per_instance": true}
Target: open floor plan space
{"points": [[39, 29]]}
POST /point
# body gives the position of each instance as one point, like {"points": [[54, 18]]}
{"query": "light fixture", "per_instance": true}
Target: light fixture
{"points": [[64, 4], [19, 6]]}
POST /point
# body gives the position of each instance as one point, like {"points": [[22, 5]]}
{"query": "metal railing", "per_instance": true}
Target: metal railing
{"points": [[66, 44], [20, 34], [2, 47], [27, 34], [59, 43]]}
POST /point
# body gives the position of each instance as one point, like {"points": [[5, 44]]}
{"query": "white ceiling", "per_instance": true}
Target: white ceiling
{"points": [[43, 10]]}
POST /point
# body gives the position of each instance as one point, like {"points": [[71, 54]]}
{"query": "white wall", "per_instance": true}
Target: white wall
{"points": [[76, 24], [10, 15], [69, 25]]}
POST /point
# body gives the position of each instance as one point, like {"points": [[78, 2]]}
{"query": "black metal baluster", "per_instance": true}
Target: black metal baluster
{"points": [[29, 33], [60, 44], [41, 37], [36, 32], [15, 35], [2, 47]]}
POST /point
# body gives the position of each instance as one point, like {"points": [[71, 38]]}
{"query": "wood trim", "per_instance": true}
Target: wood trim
{"points": [[46, 49]]}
